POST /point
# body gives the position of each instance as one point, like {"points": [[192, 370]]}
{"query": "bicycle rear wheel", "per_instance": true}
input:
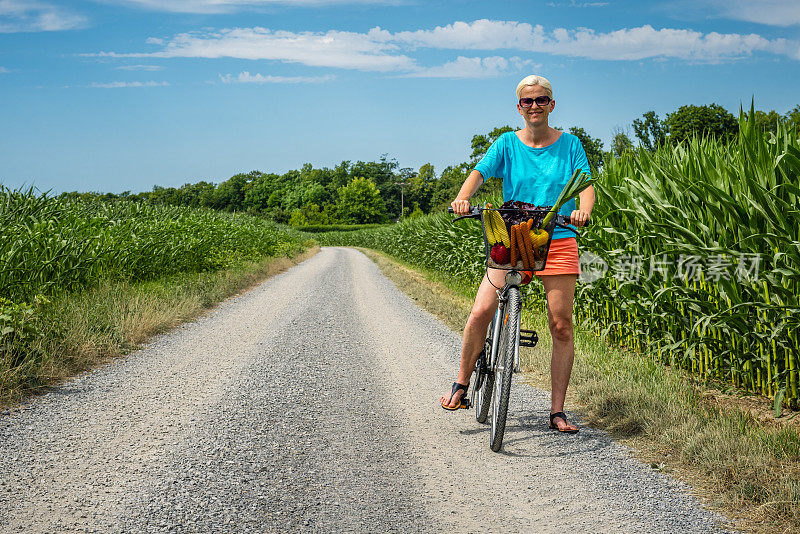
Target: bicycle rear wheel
{"points": [[504, 368]]}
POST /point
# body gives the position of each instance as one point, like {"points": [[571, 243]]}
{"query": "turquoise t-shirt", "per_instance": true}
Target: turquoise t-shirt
{"points": [[535, 175]]}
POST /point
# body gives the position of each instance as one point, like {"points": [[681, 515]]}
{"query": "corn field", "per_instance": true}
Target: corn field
{"points": [[431, 241], [724, 220], [52, 244], [697, 257]]}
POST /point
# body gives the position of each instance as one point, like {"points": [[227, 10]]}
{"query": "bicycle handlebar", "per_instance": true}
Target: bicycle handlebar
{"points": [[475, 213]]}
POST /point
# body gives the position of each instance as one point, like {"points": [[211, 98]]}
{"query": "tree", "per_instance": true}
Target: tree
{"points": [[449, 184], [792, 118], [395, 193], [422, 183], [690, 121], [481, 143], [229, 195], [162, 195], [382, 174], [309, 214], [768, 121], [360, 202], [621, 143], [259, 196], [650, 131], [417, 212], [314, 193], [592, 147], [194, 194], [340, 175]]}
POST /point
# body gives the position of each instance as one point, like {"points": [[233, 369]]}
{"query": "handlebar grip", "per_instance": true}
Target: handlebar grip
{"points": [[472, 209], [474, 213], [563, 219]]}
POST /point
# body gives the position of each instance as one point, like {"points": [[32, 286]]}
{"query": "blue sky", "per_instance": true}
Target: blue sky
{"points": [[114, 95]]}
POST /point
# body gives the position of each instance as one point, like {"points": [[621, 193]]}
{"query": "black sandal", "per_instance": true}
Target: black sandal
{"points": [[563, 416], [463, 402]]}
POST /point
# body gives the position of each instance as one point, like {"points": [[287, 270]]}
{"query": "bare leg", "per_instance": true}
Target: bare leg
{"points": [[560, 292], [475, 330]]}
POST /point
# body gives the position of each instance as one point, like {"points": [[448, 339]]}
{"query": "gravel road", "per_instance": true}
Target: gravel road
{"points": [[310, 404]]}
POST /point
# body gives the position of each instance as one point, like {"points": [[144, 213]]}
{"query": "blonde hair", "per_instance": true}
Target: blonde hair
{"points": [[533, 79]]}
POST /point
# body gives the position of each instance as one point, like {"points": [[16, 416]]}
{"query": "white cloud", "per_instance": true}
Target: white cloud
{"points": [[625, 44], [228, 6], [478, 35], [4, 70], [115, 85], [141, 67], [474, 67], [769, 12], [647, 42], [33, 16], [346, 50], [246, 77], [384, 51]]}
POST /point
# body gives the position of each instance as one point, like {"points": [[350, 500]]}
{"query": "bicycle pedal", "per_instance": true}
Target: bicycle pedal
{"points": [[528, 338]]}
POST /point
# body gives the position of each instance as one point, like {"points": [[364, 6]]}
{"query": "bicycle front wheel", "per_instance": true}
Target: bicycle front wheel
{"points": [[485, 370], [504, 367]]}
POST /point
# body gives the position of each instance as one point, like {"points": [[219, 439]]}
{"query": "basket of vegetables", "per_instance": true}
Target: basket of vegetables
{"points": [[515, 237], [518, 234]]}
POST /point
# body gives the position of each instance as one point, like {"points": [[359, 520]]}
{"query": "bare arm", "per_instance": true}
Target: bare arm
{"points": [[586, 199], [471, 184]]}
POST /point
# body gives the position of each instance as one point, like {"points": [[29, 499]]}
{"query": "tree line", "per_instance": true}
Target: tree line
{"points": [[381, 191], [687, 121], [349, 193]]}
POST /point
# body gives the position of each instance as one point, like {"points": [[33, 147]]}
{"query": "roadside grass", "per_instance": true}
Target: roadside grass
{"points": [[748, 468], [85, 328]]}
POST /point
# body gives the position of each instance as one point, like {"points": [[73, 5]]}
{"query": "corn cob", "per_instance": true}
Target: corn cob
{"points": [[498, 234], [501, 230], [487, 226]]}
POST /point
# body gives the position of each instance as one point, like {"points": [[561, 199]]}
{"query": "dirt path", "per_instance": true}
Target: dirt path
{"points": [[310, 404]]}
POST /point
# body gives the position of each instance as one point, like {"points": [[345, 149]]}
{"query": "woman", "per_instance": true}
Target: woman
{"points": [[534, 163]]}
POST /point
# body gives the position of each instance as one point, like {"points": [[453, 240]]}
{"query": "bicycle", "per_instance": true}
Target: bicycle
{"points": [[499, 359]]}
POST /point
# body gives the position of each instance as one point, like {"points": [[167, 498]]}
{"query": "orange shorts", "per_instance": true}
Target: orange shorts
{"points": [[562, 258]]}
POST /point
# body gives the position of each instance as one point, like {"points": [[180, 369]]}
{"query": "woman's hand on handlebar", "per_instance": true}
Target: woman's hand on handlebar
{"points": [[461, 207], [579, 218]]}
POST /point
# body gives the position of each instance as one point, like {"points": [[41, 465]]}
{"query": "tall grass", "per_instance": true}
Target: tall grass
{"points": [[680, 229]]}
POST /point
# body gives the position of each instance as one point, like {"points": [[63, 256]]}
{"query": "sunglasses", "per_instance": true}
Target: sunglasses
{"points": [[540, 101]]}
